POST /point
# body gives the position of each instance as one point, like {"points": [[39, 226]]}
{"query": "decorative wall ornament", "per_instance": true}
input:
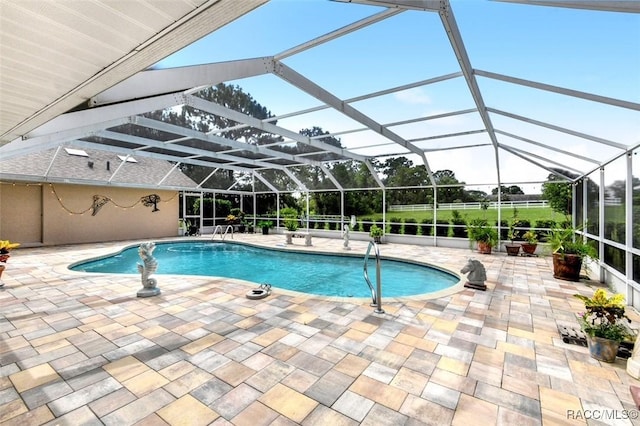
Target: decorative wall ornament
{"points": [[148, 267], [98, 202], [151, 201]]}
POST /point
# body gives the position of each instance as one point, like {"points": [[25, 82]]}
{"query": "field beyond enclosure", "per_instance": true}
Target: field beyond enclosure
{"points": [[531, 214]]}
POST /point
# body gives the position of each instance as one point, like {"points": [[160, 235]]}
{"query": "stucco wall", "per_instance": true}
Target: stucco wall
{"points": [[61, 223], [20, 213]]}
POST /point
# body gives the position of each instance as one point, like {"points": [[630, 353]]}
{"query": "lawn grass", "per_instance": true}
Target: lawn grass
{"points": [[491, 215]]}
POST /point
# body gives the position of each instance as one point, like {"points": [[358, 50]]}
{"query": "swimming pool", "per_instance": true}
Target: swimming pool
{"points": [[320, 274]]}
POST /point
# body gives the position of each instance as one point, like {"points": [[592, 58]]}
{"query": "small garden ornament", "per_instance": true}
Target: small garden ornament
{"points": [[477, 274], [148, 267], [345, 237]]}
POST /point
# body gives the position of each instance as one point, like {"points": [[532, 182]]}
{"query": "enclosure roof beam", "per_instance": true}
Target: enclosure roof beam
{"points": [[403, 122], [220, 110], [296, 180], [455, 39], [149, 143], [526, 155], [559, 129], [22, 147], [171, 158], [552, 148], [425, 5], [561, 90], [172, 128], [628, 6], [355, 26], [331, 177], [101, 117], [214, 171], [449, 135], [311, 88], [153, 82], [555, 172], [374, 173], [364, 97], [265, 181]]}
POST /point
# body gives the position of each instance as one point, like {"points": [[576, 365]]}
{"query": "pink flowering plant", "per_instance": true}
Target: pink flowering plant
{"points": [[604, 316]]}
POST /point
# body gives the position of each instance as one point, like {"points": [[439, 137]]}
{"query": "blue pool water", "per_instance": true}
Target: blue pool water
{"points": [[329, 275]]}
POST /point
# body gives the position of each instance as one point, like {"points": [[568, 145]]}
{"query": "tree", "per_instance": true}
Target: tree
{"points": [[558, 192], [448, 194], [186, 116], [400, 172], [505, 191]]}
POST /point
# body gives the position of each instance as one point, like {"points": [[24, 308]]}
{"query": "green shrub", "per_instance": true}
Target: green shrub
{"points": [[410, 227], [426, 227], [395, 225], [459, 228], [442, 228]]}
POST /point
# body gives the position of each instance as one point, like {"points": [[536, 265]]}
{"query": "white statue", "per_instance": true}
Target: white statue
{"points": [[148, 267], [345, 238], [477, 274], [633, 363]]}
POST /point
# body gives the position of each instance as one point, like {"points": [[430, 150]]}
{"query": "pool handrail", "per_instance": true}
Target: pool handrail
{"points": [[376, 294], [218, 229]]}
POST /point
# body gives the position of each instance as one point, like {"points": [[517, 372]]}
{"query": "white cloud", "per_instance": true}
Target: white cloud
{"points": [[413, 96]]}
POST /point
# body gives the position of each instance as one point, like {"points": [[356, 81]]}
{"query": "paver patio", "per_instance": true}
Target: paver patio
{"points": [[83, 349]]}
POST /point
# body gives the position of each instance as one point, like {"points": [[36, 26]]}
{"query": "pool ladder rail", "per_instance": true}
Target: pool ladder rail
{"points": [[376, 294], [218, 230]]}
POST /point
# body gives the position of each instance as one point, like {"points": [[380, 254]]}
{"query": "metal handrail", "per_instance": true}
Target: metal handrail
{"points": [[218, 229], [376, 294], [226, 231], [215, 231]]}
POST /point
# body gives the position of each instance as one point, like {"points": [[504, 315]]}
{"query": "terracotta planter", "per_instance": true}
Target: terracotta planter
{"points": [[484, 247], [512, 249], [529, 248], [567, 266], [2, 268], [604, 350]]}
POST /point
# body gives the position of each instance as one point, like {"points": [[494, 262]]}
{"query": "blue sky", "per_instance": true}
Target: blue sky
{"points": [[590, 51]]}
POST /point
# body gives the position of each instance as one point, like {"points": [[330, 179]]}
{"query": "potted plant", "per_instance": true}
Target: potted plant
{"points": [[605, 324], [513, 248], [291, 224], [376, 232], [5, 247], [484, 235], [531, 242], [265, 225], [569, 253]]}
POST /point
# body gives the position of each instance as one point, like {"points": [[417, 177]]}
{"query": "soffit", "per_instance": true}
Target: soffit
{"points": [[55, 55]]}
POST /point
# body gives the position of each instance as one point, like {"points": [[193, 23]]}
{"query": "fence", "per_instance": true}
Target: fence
{"points": [[469, 206]]}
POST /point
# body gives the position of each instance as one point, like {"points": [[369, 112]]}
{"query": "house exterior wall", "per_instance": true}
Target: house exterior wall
{"points": [[21, 213], [61, 222]]}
